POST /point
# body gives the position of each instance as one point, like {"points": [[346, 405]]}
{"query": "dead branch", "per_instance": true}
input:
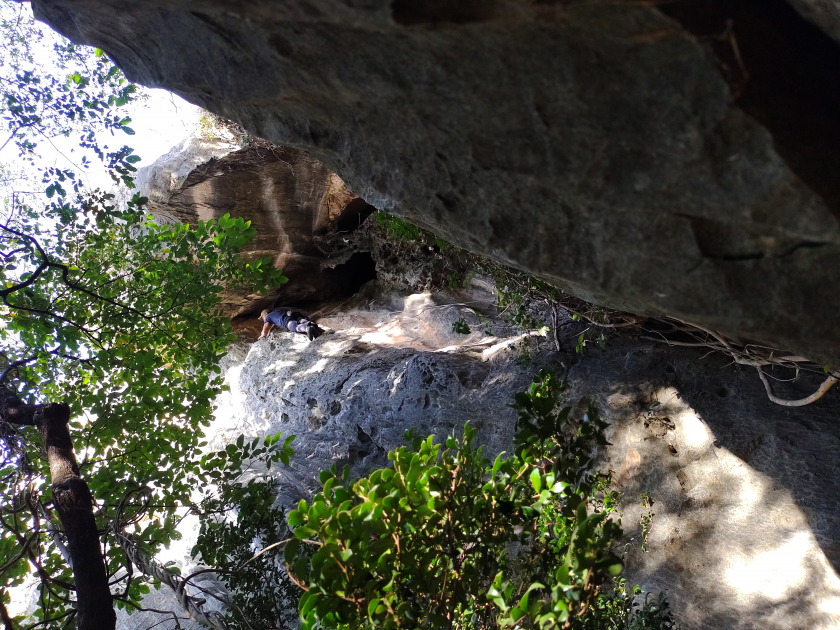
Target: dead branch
{"points": [[741, 355], [833, 377]]}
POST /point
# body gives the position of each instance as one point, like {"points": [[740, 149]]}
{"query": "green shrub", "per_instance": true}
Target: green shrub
{"points": [[238, 516], [444, 538]]}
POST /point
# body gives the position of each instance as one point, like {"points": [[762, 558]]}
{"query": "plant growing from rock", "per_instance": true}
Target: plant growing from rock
{"points": [[646, 518], [394, 225], [461, 327]]}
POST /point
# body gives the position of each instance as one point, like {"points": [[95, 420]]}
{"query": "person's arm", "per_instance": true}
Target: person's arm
{"points": [[266, 329]]}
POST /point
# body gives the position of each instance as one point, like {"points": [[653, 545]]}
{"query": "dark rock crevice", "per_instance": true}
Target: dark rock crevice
{"points": [[783, 72], [437, 12], [348, 277], [353, 215]]}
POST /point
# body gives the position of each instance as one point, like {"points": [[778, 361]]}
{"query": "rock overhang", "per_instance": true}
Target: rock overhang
{"points": [[592, 144]]}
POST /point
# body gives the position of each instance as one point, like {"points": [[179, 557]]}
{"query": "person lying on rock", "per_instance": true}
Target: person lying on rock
{"points": [[292, 320]]}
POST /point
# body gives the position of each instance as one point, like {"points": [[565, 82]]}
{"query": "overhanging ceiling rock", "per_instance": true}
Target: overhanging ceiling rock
{"points": [[591, 143]]}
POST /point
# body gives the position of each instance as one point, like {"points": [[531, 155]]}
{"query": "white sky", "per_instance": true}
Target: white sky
{"points": [[160, 122]]}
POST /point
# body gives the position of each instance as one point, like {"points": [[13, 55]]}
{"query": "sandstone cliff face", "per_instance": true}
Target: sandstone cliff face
{"points": [[678, 164], [290, 198]]}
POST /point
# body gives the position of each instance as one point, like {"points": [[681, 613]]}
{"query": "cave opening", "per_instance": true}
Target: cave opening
{"points": [[339, 283], [347, 278], [783, 71], [353, 215]]}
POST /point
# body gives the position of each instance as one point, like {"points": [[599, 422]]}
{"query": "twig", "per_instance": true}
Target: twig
{"points": [[8, 624], [669, 342], [742, 356], [826, 385], [296, 582], [554, 326]]}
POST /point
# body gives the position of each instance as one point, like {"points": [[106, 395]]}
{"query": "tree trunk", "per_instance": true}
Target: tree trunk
{"points": [[74, 504]]}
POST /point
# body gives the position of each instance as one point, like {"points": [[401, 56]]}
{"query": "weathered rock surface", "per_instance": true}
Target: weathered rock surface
{"points": [[746, 525], [596, 144], [823, 13], [351, 394], [290, 198], [746, 521], [164, 177]]}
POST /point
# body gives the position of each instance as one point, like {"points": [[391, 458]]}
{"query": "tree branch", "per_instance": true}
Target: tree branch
{"points": [[12, 366], [150, 567], [826, 385], [8, 624], [14, 411], [15, 132]]}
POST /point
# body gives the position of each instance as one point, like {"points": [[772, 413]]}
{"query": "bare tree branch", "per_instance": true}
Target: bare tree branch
{"points": [[827, 384], [150, 567]]}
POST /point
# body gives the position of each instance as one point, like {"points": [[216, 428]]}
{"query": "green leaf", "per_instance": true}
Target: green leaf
{"points": [[372, 607], [536, 480], [291, 549], [303, 532]]}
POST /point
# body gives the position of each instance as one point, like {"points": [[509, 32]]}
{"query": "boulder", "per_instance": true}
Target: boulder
{"points": [[745, 530], [290, 198]]}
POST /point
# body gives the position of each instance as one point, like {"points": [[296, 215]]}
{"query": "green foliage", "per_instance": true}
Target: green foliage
{"points": [[441, 244], [238, 516], [515, 304], [571, 561], [104, 310], [212, 126], [426, 544], [119, 318], [453, 280], [396, 226], [51, 87], [585, 338], [622, 608], [461, 327]]}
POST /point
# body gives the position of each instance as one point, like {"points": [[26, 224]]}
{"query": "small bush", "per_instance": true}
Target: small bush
{"points": [[238, 517], [446, 538], [461, 327]]}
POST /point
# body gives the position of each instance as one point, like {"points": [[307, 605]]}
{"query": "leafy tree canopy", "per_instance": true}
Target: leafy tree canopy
{"points": [[107, 313], [51, 88]]}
